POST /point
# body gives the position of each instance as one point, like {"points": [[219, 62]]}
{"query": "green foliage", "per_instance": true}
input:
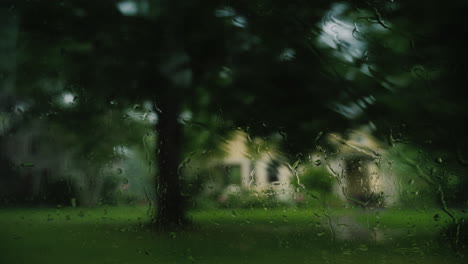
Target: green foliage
{"points": [[239, 198], [316, 179], [249, 199], [426, 178]]}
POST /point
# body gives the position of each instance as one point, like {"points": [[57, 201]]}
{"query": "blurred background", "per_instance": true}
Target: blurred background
{"points": [[256, 131]]}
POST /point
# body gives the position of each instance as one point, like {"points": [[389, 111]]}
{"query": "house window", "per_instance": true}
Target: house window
{"points": [[272, 171]]}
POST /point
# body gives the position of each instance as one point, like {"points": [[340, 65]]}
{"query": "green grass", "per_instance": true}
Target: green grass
{"points": [[118, 235]]}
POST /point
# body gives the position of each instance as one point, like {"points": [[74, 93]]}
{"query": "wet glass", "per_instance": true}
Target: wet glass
{"points": [[152, 131]]}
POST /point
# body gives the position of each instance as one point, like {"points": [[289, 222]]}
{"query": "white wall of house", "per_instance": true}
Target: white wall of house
{"points": [[254, 171]]}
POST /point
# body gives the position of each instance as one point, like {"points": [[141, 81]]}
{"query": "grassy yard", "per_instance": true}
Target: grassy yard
{"points": [[118, 235]]}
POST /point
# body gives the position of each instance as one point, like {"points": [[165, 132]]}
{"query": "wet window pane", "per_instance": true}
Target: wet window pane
{"points": [[151, 131]]}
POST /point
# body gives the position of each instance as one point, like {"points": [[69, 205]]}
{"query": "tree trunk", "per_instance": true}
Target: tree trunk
{"points": [[170, 201]]}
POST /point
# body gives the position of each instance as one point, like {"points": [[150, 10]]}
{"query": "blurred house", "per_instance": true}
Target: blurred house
{"points": [[353, 161], [359, 171], [262, 173]]}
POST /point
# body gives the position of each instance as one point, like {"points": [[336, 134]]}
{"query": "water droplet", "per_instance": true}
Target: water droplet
{"points": [[296, 164], [318, 136]]}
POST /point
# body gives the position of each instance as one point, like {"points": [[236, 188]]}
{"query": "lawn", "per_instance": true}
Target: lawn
{"points": [[118, 235]]}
